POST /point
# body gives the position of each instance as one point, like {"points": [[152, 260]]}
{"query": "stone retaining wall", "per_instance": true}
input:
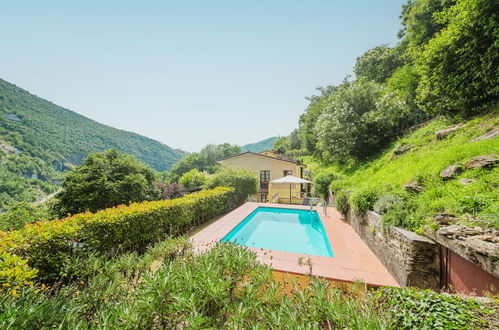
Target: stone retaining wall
{"points": [[413, 260]]}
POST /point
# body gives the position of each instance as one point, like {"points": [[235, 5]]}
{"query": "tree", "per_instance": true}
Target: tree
{"points": [[360, 120], [193, 178], [22, 213], [204, 161], [378, 63], [294, 140], [244, 182], [104, 180], [420, 24], [459, 66], [308, 120], [280, 145], [321, 182]]}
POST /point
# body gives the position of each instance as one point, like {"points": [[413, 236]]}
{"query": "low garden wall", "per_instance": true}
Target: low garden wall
{"points": [[413, 260]]}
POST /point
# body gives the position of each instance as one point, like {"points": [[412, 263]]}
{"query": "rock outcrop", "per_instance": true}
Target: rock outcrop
{"points": [[413, 186], [487, 136], [444, 132], [451, 171], [484, 161], [478, 245]]}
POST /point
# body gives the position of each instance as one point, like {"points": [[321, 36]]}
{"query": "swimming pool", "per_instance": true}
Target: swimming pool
{"points": [[290, 230]]}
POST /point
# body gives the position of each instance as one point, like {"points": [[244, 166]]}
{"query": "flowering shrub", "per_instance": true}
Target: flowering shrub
{"points": [[48, 247]]}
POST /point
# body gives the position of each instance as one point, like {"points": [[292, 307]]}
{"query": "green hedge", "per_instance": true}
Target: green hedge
{"points": [[51, 246]]}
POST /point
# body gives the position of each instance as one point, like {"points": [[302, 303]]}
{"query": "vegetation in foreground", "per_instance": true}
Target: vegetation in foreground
{"points": [[172, 287]]}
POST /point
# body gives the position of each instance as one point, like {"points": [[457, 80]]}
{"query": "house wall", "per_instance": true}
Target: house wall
{"points": [[255, 164]]}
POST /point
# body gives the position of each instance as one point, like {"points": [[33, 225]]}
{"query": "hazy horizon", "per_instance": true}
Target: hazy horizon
{"points": [[189, 73]]}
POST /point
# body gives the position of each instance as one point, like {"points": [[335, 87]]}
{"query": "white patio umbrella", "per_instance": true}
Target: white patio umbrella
{"points": [[290, 179]]}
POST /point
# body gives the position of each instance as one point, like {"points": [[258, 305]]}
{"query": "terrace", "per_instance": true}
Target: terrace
{"points": [[352, 260]]}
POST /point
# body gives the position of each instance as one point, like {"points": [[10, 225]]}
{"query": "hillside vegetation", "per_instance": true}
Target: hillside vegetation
{"points": [[39, 140], [361, 134], [61, 137], [416, 160], [259, 146]]}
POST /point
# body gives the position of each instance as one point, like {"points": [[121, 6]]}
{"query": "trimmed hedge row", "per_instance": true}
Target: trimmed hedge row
{"points": [[45, 250]]}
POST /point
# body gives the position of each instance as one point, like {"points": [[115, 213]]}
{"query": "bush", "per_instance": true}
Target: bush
{"points": [[244, 182], [410, 308], [363, 200], [341, 201], [405, 214], [224, 288], [49, 246], [193, 178], [321, 182], [386, 202]]}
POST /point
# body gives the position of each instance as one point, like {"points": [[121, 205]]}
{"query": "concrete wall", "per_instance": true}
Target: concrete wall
{"points": [[413, 260]]}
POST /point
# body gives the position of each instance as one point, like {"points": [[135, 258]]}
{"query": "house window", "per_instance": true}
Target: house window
{"points": [[264, 179], [287, 172]]}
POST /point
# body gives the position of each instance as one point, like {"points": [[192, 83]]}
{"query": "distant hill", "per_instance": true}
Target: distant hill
{"points": [[39, 140], [60, 136], [260, 145]]}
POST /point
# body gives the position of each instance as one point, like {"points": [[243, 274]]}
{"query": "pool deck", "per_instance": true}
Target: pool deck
{"points": [[352, 260]]}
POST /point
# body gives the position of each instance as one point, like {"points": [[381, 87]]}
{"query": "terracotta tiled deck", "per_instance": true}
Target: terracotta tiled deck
{"points": [[352, 260]]}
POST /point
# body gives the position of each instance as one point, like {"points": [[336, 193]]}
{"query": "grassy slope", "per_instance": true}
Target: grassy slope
{"points": [[387, 173]]}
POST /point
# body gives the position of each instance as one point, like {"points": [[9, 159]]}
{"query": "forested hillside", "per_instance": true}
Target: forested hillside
{"points": [[374, 139], [259, 146], [39, 140]]}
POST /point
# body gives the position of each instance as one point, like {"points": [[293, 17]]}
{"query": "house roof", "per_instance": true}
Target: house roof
{"points": [[261, 155]]}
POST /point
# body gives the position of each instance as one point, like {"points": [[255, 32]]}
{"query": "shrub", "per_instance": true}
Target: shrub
{"points": [[244, 182], [193, 178], [341, 201], [386, 202], [406, 214], [363, 200], [338, 184], [224, 288], [49, 246], [15, 273], [410, 308], [321, 182]]}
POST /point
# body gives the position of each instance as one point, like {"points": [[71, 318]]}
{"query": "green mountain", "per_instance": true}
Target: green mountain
{"points": [[39, 140], [260, 145]]}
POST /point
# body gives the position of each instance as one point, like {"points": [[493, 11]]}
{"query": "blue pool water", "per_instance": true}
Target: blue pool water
{"points": [[289, 230]]}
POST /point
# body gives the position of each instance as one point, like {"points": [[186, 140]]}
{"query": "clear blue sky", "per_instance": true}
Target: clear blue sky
{"points": [[189, 73]]}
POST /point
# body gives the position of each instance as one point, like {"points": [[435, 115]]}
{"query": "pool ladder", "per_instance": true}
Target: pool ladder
{"points": [[324, 206]]}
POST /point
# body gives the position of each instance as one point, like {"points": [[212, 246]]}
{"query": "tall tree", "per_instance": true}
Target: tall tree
{"points": [[378, 63], [459, 67], [104, 180]]}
